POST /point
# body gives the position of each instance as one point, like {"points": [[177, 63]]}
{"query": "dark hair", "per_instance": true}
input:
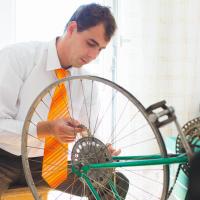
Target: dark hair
{"points": [[87, 16]]}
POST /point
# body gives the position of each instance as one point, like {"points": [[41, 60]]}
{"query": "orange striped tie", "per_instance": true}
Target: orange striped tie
{"points": [[55, 160]]}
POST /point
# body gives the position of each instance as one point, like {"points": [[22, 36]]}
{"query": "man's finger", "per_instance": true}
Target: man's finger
{"points": [[116, 153]]}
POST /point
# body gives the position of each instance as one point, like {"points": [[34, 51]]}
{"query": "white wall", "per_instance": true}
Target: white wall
{"points": [[7, 22], [159, 54]]}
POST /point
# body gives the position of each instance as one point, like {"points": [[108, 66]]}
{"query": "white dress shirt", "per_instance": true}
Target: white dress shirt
{"points": [[25, 70]]}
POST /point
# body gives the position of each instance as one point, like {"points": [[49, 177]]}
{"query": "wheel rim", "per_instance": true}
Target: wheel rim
{"points": [[119, 118]]}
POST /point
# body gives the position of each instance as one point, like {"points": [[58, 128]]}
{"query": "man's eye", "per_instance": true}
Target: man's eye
{"points": [[91, 44]]}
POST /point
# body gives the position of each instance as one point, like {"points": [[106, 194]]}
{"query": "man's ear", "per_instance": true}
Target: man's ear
{"points": [[72, 27]]}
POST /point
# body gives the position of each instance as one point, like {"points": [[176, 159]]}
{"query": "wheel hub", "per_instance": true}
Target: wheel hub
{"points": [[90, 150]]}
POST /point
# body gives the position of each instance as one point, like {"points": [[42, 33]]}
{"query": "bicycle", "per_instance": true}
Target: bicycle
{"points": [[114, 116]]}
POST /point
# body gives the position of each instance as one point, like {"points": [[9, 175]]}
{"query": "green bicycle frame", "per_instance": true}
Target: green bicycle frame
{"points": [[128, 161]]}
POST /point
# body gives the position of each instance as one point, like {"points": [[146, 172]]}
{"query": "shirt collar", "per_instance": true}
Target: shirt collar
{"points": [[52, 56]]}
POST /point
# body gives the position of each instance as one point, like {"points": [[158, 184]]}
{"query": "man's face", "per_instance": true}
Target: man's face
{"points": [[84, 46]]}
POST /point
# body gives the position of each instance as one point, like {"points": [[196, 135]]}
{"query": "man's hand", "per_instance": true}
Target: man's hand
{"points": [[113, 151], [65, 129]]}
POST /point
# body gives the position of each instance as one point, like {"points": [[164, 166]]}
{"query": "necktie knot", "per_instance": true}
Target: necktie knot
{"points": [[62, 73]]}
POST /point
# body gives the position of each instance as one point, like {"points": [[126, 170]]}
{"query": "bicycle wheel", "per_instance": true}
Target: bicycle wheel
{"points": [[112, 116]]}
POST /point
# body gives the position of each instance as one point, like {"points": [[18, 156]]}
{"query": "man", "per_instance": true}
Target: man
{"points": [[26, 69]]}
